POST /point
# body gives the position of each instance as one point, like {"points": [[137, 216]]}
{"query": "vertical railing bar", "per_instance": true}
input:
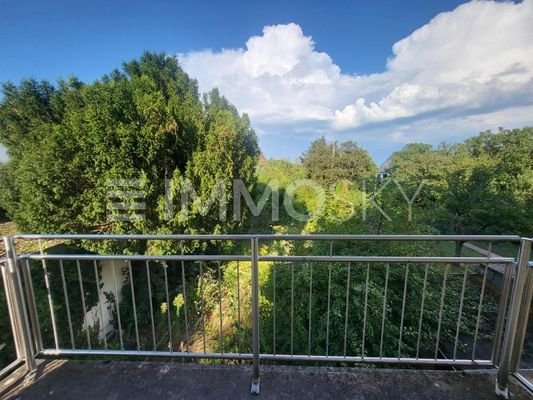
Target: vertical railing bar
{"points": [[202, 304], [403, 310], [149, 283], [23, 317], [239, 342], [254, 247], [67, 304], [460, 314], [16, 287], [505, 294], [274, 308], [117, 305], [422, 310], [292, 308], [49, 295], [104, 336], [185, 312], [221, 337], [346, 311], [383, 315], [82, 293], [443, 294], [480, 306], [329, 299], [310, 308], [132, 286], [490, 250], [329, 308], [365, 312], [32, 305], [169, 318]]}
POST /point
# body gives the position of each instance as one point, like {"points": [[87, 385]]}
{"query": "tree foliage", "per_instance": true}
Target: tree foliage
{"points": [[329, 163], [483, 185], [72, 144]]}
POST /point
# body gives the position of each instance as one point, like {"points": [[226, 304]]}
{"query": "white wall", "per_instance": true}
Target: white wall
{"points": [[92, 317]]}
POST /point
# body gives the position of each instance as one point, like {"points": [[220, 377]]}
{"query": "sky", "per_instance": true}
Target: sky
{"points": [[382, 74]]}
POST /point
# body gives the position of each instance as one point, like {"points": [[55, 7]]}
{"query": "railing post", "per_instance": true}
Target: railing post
{"points": [[502, 382], [32, 307], [255, 315], [11, 310], [523, 319], [505, 295], [20, 316]]}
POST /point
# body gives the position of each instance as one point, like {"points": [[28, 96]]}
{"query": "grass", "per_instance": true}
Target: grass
{"points": [[447, 249], [504, 249], [23, 246]]}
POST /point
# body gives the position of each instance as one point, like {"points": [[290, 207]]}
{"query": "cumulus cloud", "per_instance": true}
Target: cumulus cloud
{"points": [[278, 77], [474, 60]]}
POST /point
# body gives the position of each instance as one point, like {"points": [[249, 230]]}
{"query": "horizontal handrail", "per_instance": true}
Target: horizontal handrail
{"points": [[92, 236], [135, 257], [177, 257], [494, 238], [387, 259]]}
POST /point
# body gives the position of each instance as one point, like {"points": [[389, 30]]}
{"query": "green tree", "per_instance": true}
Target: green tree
{"points": [[329, 163], [511, 152], [483, 185], [70, 146]]}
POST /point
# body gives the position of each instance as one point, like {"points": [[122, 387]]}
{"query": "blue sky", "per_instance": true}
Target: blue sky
{"points": [[302, 69]]}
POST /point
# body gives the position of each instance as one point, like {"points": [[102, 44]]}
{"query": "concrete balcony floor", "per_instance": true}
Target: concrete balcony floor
{"points": [[132, 380]]}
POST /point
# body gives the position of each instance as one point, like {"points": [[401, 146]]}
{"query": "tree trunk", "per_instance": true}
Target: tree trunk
{"points": [[458, 248]]}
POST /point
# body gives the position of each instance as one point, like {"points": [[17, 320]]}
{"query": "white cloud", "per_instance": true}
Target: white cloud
{"points": [[404, 100], [278, 77], [472, 61]]}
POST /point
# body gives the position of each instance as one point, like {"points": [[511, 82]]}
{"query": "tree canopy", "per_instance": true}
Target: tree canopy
{"points": [[142, 128], [329, 163], [484, 185]]}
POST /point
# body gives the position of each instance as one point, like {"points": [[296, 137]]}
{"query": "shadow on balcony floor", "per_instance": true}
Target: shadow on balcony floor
{"points": [[130, 380]]}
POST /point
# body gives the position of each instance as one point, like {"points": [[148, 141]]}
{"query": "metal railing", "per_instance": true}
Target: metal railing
{"points": [[515, 333], [302, 298], [522, 362], [17, 310]]}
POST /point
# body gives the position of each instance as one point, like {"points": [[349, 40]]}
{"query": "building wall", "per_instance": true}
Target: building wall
{"points": [[107, 283]]}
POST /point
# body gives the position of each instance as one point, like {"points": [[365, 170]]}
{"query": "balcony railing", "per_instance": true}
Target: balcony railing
{"points": [[301, 298]]}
